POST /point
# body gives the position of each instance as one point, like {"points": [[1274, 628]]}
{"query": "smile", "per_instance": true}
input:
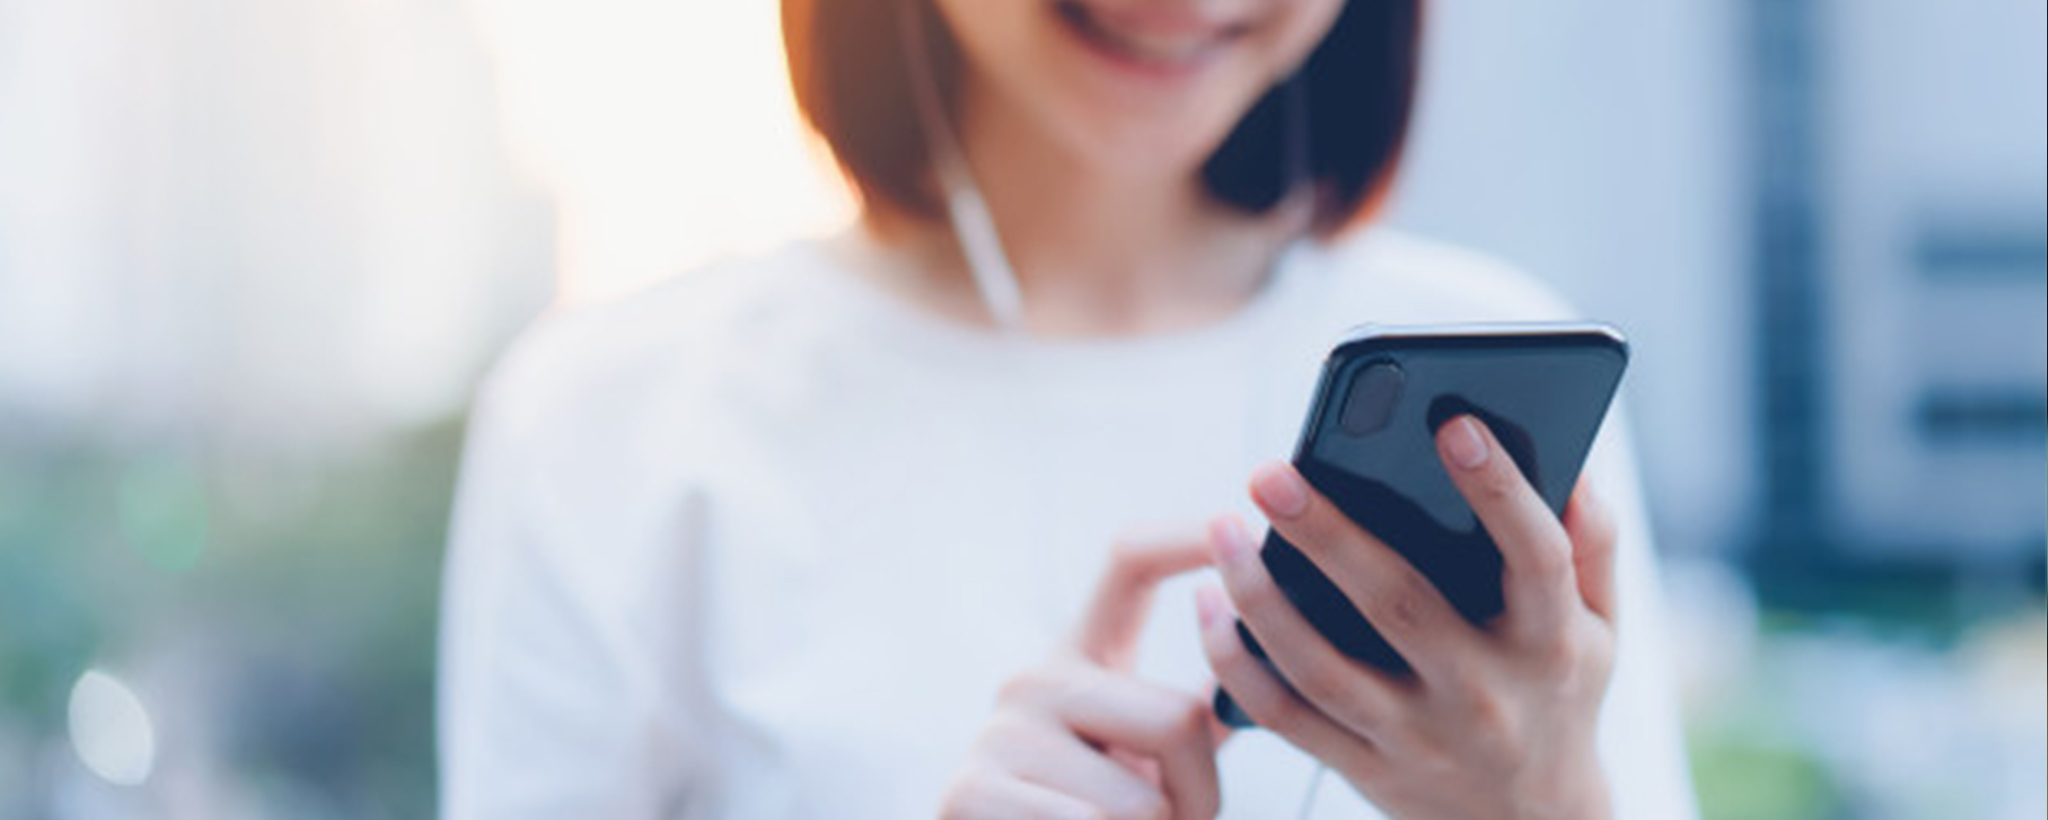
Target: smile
{"points": [[1176, 44]]}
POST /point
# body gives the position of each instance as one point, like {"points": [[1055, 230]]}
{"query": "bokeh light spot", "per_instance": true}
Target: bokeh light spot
{"points": [[111, 730]]}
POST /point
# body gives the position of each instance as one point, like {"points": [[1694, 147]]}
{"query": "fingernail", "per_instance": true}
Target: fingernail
{"points": [[1208, 606], [1279, 491], [1228, 535], [1463, 444]]}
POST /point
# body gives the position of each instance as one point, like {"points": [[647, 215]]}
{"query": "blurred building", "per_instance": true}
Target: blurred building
{"points": [[1823, 222], [264, 221], [1932, 191]]}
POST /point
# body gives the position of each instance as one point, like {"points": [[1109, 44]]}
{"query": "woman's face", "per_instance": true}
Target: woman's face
{"points": [[1133, 87]]}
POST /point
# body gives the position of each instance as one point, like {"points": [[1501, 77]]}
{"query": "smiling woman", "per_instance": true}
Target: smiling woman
{"points": [[1143, 88], [862, 527]]}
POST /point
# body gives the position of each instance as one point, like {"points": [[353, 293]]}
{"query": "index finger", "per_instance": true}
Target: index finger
{"points": [[1539, 583], [1165, 725], [1122, 599]]}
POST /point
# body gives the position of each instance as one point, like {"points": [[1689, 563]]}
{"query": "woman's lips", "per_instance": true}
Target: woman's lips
{"points": [[1151, 41]]}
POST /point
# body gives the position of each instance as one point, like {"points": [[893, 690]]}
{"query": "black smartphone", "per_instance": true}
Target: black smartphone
{"points": [[1369, 445]]}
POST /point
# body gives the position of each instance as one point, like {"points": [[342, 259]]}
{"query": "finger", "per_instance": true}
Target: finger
{"points": [[1109, 629], [1049, 756], [1538, 581], [1389, 591], [1219, 732], [1266, 699], [993, 795], [1167, 725], [1357, 696], [1590, 525]]}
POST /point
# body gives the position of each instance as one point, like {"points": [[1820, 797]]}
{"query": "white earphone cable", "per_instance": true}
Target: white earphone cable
{"points": [[1308, 800], [972, 224]]}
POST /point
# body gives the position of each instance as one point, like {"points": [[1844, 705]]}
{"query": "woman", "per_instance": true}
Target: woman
{"points": [[860, 528]]}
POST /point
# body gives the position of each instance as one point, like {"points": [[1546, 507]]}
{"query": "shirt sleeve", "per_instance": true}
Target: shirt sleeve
{"points": [[1642, 745], [558, 691]]}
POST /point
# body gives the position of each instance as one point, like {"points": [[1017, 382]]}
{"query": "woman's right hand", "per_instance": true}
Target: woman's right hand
{"points": [[1079, 736]]}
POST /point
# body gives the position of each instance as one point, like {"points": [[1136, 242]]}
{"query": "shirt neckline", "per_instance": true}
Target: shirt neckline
{"points": [[852, 248]]}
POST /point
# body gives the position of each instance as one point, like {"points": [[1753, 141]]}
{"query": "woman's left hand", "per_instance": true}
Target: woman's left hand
{"points": [[1494, 722]]}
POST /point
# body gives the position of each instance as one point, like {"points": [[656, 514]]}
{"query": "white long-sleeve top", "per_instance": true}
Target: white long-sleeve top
{"points": [[764, 541]]}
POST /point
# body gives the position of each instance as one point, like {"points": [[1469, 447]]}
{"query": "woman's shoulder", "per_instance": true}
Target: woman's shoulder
{"points": [[585, 363], [1391, 271]]}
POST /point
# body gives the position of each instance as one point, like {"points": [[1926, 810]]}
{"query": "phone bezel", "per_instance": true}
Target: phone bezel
{"points": [[1451, 336]]}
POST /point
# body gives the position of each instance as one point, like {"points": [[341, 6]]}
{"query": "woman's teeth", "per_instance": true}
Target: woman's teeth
{"points": [[1140, 45], [1157, 48]]}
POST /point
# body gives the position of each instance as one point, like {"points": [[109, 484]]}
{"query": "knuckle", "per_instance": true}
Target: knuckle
{"points": [[1289, 716], [1329, 531], [1007, 730], [1321, 685], [1125, 552], [1189, 718], [1049, 683], [1574, 656], [1146, 556], [1024, 687], [1425, 751], [1561, 655], [1126, 562], [1401, 607], [1489, 719], [1550, 561], [1499, 482], [1258, 596], [1229, 657], [1227, 653], [1310, 531], [1489, 724], [1470, 694], [1282, 714]]}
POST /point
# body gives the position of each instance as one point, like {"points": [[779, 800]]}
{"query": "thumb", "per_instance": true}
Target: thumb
{"points": [[1123, 597]]}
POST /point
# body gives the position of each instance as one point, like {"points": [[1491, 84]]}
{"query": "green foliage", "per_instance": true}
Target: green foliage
{"points": [[1739, 779], [307, 585]]}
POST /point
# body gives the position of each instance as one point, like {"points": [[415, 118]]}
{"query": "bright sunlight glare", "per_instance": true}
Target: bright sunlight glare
{"points": [[666, 131]]}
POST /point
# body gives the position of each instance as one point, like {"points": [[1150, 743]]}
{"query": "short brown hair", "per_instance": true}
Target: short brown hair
{"points": [[852, 80]]}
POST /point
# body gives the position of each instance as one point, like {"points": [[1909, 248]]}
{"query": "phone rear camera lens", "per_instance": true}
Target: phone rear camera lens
{"points": [[1374, 394]]}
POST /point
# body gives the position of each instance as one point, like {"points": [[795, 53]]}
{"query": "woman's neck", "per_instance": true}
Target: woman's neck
{"points": [[1099, 253]]}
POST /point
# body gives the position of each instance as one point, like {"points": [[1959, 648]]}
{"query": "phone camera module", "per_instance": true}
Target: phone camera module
{"points": [[1374, 393]]}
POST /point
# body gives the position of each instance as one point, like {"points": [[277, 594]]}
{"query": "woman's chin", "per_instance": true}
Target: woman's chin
{"points": [[1146, 151]]}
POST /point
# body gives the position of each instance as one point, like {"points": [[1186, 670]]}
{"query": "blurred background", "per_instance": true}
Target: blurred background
{"points": [[255, 255]]}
